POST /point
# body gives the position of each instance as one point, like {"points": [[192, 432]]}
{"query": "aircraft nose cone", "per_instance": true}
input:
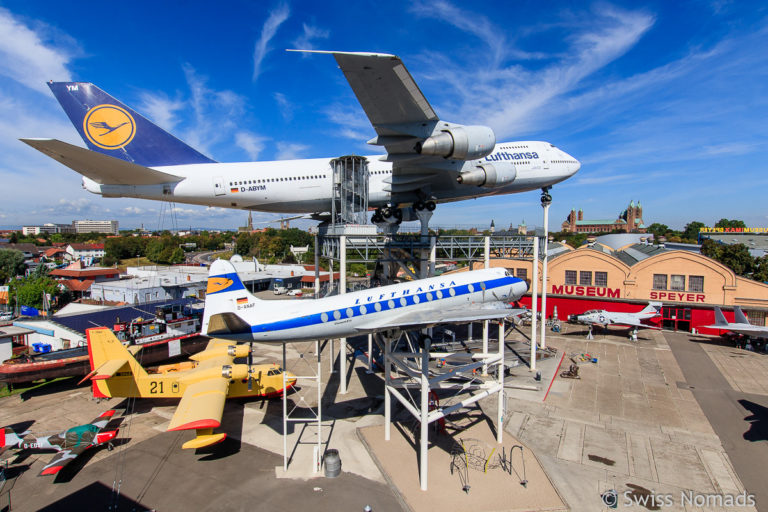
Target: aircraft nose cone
{"points": [[519, 289], [574, 167]]}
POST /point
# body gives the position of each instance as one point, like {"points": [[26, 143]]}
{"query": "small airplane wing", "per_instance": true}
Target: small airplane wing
{"points": [[638, 324], [102, 169], [201, 406], [445, 316], [104, 418], [62, 458]]}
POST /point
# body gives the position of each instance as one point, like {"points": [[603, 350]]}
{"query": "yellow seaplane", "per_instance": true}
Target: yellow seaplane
{"points": [[202, 384]]}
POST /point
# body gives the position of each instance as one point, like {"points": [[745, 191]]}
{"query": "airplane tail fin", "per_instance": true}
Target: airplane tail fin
{"points": [[652, 307], [720, 317], [111, 128], [224, 296], [739, 315], [108, 356], [9, 438]]}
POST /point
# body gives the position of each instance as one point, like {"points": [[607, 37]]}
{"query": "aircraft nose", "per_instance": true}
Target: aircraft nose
{"points": [[574, 167], [518, 290]]}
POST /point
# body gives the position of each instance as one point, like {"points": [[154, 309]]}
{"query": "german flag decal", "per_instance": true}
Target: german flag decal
{"points": [[242, 300], [234, 189]]}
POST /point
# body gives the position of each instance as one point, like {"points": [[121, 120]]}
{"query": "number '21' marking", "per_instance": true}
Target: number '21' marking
{"points": [[154, 388]]}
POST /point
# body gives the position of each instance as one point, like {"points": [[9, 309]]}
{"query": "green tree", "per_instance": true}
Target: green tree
{"points": [[658, 230], [30, 291], [760, 272], [177, 256], [726, 223], [243, 244], [736, 256], [11, 264], [691, 231]]}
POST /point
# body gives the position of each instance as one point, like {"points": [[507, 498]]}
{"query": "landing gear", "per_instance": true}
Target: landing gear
{"points": [[424, 205], [546, 197], [388, 214]]}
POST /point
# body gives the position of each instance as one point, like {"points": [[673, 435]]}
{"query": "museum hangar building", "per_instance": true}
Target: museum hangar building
{"points": [[619, 273]]}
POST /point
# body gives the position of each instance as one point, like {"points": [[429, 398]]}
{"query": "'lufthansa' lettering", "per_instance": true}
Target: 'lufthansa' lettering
{"points": [[503, 155]]}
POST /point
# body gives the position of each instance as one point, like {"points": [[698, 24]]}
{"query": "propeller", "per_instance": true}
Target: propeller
{"points": [[250, 369]]}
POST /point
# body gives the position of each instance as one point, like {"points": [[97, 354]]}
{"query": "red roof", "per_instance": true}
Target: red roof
{"points": [[53, 251], [323, 278], [78, 286], [90, 272]]}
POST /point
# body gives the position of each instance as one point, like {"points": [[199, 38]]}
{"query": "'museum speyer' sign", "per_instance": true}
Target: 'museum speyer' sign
{"points": [[585, 291], [614, 293]]}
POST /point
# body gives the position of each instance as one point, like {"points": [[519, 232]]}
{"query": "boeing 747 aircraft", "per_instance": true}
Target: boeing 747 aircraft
{"points": [[428, 160]]}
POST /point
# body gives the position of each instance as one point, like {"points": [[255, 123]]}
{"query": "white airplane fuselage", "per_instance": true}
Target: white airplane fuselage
{"points": [[354, 313], [304, 186]]}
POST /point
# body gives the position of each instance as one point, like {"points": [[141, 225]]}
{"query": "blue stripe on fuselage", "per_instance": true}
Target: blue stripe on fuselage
{"points": [[316, 318]]}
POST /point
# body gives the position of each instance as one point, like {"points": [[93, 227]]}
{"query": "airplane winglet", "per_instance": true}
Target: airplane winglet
{"points": [[205, 437], [331, 52], [197, 425], [51, 471]]}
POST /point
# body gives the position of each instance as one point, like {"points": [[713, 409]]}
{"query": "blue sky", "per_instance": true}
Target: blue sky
{"points": [[662, 102]]}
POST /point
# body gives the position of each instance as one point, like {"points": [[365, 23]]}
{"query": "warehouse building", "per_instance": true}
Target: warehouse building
{"points": [[625, 279]]}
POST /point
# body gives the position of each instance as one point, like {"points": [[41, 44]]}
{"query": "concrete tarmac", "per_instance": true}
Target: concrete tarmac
{"points": [[739, 419]]}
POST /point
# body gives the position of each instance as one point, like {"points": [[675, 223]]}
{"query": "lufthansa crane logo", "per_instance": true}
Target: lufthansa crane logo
{"points": [[218, 284], [109, 126]]}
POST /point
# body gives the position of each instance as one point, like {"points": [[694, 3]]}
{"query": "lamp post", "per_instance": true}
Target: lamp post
{"points": [[546, 200]]}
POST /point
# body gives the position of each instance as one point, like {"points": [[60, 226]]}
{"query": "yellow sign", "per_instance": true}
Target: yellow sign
{"points": [[109, 126]]}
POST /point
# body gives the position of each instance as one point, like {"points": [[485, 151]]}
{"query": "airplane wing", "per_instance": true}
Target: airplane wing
{"points": [[445, 316], [202, 404], [104, 418], [102, 169], [63, 458], [635, 323], [746, 330], [403, 119]]}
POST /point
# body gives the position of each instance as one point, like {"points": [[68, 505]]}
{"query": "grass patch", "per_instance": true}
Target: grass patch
{"points": [[37, 385], [134, 262]]}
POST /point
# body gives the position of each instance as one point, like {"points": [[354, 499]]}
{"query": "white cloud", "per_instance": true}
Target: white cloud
{"points": [[353, 121], [290, 150], [215, 113], [26, 57], [251, 143], [304, 41], [161, 109], [285, 106], [268, 31]]}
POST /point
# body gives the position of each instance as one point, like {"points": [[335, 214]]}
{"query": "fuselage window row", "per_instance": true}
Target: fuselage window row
{"points": [[391, 304]]}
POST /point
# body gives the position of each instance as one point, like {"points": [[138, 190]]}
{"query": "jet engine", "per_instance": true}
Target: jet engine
{"points": [[489, 175], [460, 142]]}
